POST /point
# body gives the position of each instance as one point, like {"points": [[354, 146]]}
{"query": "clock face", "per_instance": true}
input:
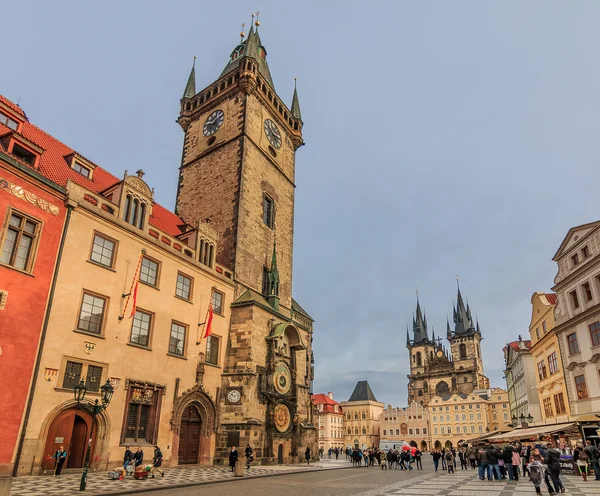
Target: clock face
{"points": [[234, 396], [282, 379], [213, 122], [282, 417], [440, 354], [272, 133]]}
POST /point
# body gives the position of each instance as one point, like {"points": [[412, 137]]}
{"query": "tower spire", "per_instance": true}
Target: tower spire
{"points": [[273, 289], [295, 103], [407, 337], [190, 87]]}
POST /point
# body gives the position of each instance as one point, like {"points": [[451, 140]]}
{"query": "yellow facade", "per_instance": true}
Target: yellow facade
{"points": [[149, 377], [463, 417], [554, 403], [410, 424], [362, 423]]}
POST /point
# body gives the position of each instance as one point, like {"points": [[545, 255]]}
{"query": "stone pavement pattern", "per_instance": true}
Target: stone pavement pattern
{"points": [[466, 483], [98, 482]]}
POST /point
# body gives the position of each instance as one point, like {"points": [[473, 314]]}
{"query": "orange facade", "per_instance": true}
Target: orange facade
{"points": [[32, 216]]}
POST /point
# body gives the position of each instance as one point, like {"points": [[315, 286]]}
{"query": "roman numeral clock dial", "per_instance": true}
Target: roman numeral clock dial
{"points": [[213, 122], [272, 133]]}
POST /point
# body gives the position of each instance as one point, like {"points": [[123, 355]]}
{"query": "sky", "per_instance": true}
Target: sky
{"points": [[443, 139]]}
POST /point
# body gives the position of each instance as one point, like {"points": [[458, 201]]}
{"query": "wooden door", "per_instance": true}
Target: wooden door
{"points": [[280, 454], [79, 443], [189, 436]]}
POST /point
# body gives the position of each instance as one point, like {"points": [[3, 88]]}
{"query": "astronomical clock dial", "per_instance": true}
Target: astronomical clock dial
{"points": [[213, 122], [282, 379], [272, 133], [282, 417], [234, 396]]}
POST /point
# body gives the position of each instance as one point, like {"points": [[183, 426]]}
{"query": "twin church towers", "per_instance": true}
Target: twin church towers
{"points": [[437, 371]]}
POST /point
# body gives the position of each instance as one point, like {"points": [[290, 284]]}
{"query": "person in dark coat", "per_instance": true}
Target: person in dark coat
{"points": [[507, 453], [157, 461], [127, 458], [307, 455], [248, 454], [138, 457], [233, 456], [60, 456]]}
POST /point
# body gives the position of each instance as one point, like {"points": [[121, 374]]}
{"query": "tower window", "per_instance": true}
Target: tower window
{"points": [[268, 211], [462, 351], [418, 359], [265, 281]]}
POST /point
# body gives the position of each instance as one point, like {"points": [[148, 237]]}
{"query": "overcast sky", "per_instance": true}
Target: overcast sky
{"points": [[442, 139]]}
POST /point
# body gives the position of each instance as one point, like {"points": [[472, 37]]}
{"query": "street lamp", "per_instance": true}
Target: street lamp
{"points": [[514, 421], [106, 393]]}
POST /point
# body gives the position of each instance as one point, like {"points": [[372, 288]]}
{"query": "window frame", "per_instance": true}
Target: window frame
{"points": [[212, 292], [185, 327], [93, 294], [155, 407], [158, 271], [33, 249], [78, 165], [587, 292], [594, 333], [191, 289], [7, 119], [559, 404], [578, 389], [148, 346], [113, 257], [271, 211], [206, 350], [84, 372], [25, 148], [552, 363], [574, 297], [575, 343]]}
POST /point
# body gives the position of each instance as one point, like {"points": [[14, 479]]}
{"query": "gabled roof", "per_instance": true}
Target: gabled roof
{"points": [[296, 306], [362, 392], [566, 242], [53, 165], [552, 298], [515, 345]]}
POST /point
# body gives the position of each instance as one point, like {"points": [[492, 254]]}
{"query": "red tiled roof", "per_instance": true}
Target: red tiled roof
{"points": [[54, 166], [327, 403], [515, 345], [552, 298]]}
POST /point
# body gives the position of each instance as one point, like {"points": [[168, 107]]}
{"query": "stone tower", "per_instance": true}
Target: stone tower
{"points": [[237, 172]]}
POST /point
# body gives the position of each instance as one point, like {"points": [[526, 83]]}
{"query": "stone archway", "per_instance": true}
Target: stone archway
{"points": [[437, 445], [448, 444], [197, 411], [423, 446]]}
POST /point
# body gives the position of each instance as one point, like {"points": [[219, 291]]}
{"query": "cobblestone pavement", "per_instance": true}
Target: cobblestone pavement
{"points": [[98, 483]]}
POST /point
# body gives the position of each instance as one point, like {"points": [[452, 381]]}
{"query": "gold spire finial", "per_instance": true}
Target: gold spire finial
{"points": [[256, 23], [242, 34]]}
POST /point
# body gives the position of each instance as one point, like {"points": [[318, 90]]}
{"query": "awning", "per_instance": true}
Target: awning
{"points": [[530, 432]]}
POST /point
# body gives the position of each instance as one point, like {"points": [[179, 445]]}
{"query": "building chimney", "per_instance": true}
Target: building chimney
{"points": [[330, 394]]}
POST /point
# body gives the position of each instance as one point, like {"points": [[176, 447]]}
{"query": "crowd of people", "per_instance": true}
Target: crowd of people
{"points": [[392, 459]]}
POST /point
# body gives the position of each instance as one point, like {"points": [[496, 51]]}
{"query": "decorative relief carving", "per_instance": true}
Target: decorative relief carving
{"points": [[139, 185], [50, 374], [205, 405], [27, 196]]}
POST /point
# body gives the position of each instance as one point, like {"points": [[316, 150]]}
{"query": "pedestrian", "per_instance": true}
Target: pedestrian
{"points": [[493, 455], [436, 455], [127, 460], [371, 458], [507, 453], [462, 455], [537, 471], [594, 454], [443, 458], [138, 457], [484, 464], [249, 456], [472, 457], [157, 461], [382, 460], [515, 462], [554, 471], [337, 453], [307, 455], [60, 457], [581, 459], [449, 461], [233, 456], [418, 456]]}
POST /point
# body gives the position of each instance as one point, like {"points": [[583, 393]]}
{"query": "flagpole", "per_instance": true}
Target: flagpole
{"points": [[198, 333], [135, 277]]}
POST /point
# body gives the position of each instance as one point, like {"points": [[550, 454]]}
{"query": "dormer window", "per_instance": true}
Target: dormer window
{"points": [[135, 212], [82, 169], [24, 154], [237, 52], [7, 121]]}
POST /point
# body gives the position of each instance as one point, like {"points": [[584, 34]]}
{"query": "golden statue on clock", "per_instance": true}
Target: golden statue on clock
{"points": [[282, 378]]}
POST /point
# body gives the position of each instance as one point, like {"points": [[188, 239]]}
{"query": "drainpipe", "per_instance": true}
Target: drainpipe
{"points": [[38, 358]]}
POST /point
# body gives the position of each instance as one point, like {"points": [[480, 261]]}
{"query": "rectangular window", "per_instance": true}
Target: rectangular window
{"points": [[149, 272], [217, 301], [449, 430], [424, 431], [559, 404], [548, 407], [103, 251], [544, 327], [443, 429], [7, 121], [573, 343], [585, 252], [435, 430], [595, 333], [141, 327], [417, 432], [410, 432], [91, 315], [81, 169], [542, 373], [19, 242], [183, 288], [553, 363], [212, 350], [574, 260], [574, 299], [537, 333], [24, 154], [268, 211], [177, 340], [265, 282], [581, 387], [142, 412], [587, 291], [91, 373]]}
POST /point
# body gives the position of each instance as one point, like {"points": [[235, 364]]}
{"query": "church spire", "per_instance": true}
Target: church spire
{"points": [[463, 322], [273, 289], [296, 104], [407, 337], [190, 87], [448, 330], [419, 324]]}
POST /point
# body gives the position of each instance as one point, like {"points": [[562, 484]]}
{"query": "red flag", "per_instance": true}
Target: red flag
{"points": [[208, 328], [134, 307]]}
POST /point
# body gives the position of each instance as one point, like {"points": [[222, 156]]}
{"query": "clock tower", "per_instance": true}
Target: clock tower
{"points": [[238, 174]]}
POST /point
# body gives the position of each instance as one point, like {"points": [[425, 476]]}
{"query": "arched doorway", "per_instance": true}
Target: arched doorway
{"points": [[280, 454], [189, 435], [448, 444], [70, 429], [356, 444], [437, 445], [423, 446], [413, 444]]}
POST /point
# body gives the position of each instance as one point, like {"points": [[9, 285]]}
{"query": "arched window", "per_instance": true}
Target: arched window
{"points": [[127, 211], [140, 222], [349, 431], [364, 430], [462, 351], [364, 415], [356, 430], [355, 416], [420, 392], [418, 359]]}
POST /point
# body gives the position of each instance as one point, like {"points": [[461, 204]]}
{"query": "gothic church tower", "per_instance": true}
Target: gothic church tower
{"points": [[238, 173]]}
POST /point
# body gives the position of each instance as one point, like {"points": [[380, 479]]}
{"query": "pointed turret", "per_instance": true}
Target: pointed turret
{"points": [[462, 316], [273, 290], [296, 104], [407, 337], [190, 87], [433, 334], [448, 330], [478, 330], [419, 325]]}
